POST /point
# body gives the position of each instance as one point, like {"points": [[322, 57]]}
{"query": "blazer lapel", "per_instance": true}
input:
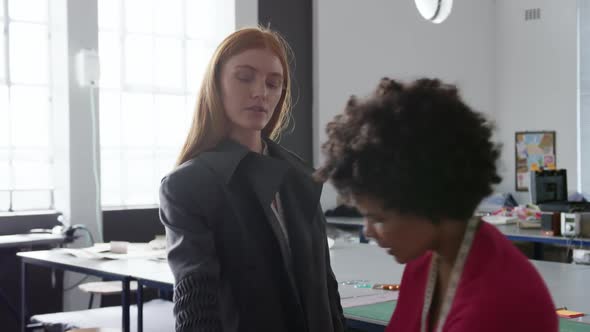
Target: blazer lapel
{"points": [[225, 158], [305, 190], [300, 197], [265, 177]]}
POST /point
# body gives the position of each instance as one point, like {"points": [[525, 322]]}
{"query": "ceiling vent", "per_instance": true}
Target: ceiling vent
{"points": [[532, 14]]}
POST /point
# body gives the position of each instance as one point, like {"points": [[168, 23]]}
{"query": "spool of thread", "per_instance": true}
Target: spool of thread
{"points": [[119, 247]]}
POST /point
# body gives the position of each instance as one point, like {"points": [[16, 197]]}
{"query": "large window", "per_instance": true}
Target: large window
{"points": [[153, 54], [25, 107], [584, 95]]}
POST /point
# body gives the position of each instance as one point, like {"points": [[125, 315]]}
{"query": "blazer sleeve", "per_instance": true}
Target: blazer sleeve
{"points": [[192, 259], [338, 320]]}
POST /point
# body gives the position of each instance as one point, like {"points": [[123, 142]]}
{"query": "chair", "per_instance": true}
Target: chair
{"points": [[158, 316], [105, 288], [95, 330]]}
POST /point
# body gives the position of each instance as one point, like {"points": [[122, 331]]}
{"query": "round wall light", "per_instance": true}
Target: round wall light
{"points": [[435, 11]]}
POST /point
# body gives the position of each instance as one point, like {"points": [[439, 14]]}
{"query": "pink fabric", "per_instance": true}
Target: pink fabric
{"points": [[500, 290]]}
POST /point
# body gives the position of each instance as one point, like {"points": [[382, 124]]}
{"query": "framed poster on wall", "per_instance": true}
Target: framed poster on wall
{"points": [[534, 150]]}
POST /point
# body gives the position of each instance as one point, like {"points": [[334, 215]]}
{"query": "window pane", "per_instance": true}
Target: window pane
{"points": [[168, 19], [31, 200], [30, 116], [168, 63], [28, 10], [165, 162], [189, 109], [109, 14], [197, 59], [28, 53], [4, 121], [2, 9], [5, 180], [110, 119], [110, 59], [4, 201], [31, 169], [200, 18], [172, 127], [138, 120], [210, 20], [110, 172], [2, 59], [138, 15], [31, 174], [5, 174], [226, 18], [139, 60], [138, 171]]}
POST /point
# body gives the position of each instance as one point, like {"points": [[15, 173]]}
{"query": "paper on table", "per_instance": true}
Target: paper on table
{"points": [[101, 251], [135, 254], [499, 220], [81, 253], [379, 297]]}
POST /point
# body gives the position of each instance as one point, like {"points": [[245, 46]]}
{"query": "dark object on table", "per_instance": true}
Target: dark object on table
{"points": [[551, 223], [548, 190], [548, 186]]}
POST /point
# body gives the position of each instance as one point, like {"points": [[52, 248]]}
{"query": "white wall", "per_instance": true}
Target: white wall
{"points": [[358, 42], [584, 89], [537, 80]]}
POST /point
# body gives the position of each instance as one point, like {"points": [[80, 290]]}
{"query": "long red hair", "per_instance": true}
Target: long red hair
{"points": [[210, 124]]}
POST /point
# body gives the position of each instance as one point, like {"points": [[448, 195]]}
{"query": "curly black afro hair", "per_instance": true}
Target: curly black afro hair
{"points": [[416, 147]]}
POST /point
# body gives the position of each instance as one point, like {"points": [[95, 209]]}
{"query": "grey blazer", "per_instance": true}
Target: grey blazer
{"points": [[233, 268]]}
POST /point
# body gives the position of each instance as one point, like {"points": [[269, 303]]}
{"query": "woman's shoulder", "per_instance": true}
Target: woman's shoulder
{"points": [[493, 246], [413, 285], [513, 276], [289, 156], [193, 178], [416, 271], [191, 171]]}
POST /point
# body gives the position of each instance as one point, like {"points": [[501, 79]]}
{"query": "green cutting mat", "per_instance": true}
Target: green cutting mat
{"points": [[566, 325], [378, 311], [382, 312]]}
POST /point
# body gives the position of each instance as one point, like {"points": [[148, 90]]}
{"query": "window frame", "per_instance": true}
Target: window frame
{"points": [[7, 82]]}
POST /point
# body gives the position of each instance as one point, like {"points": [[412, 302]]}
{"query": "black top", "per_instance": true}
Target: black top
{"points": [[233, 268]]}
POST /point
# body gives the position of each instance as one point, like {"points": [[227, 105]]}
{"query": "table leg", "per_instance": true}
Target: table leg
{"points": [[362, 238], [538, 251], [125, 304], [139, 306], [23, 296]]}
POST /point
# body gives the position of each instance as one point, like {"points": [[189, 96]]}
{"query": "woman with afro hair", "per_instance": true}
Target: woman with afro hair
{"points": [[416, 161]]}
